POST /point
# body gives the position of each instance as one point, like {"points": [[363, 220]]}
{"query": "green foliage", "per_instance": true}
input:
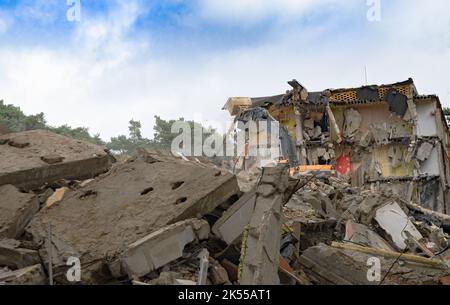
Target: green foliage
{"points": [[129, 145], [120, 145], [80, 133], [15, 120], [12, 119], [446, 111], [162, 140], [163, 135]]}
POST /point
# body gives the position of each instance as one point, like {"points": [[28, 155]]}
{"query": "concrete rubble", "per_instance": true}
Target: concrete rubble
{"points": [[368, 225], [120, 213], [32, 275], [16, 211], [359, 196], [13, 256]]}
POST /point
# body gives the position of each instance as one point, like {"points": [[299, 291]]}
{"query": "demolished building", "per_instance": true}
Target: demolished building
{"points": [[380, 137]]}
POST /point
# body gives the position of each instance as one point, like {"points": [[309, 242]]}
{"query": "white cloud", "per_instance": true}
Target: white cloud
{"points": [[251, 11], [42, 11], [5, 23], [3, 26]]}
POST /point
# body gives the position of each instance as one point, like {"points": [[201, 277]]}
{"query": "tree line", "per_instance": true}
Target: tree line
{"points": [[13, 119]]}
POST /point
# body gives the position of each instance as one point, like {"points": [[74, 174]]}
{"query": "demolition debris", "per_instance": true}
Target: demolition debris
{"points": [[359, 197]]}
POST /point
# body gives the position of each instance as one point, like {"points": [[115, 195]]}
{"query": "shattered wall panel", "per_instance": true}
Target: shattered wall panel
{"points": [[426, 120], [431, 166], [382, 157], [373, 115]]}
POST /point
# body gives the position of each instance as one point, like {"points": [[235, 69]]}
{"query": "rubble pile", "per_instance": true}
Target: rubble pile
{"points": [[341, 230], [156, 219]]}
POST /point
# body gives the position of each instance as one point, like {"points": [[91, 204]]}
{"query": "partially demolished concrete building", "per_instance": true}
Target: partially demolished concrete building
{"points": [[386, 137]]}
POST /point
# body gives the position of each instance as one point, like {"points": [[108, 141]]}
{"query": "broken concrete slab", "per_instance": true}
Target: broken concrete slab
{"points": [[12, 256], [393, 220], [159, 248], [33, 275], [424, 151], [326, 265], [16, 211], [365, 211], [361, 234], [262, 245], [231, 225], [48, 157], [128, 203]]}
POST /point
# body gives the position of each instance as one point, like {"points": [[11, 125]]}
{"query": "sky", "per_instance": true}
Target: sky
{"points": [[134, 59]]}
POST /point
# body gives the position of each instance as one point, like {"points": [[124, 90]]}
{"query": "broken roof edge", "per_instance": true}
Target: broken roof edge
{"points": [[409, 81], [277, 99]]}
